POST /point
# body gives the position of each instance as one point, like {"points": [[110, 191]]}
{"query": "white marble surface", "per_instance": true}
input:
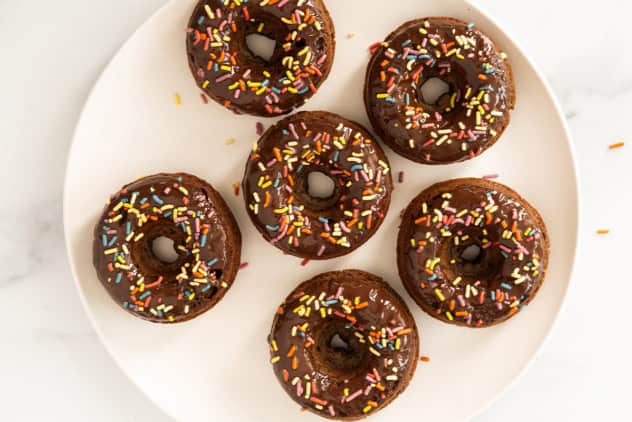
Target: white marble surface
{"points": [[52, 366]]}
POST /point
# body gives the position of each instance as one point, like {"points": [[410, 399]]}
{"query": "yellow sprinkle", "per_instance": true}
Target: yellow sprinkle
{"points": [[230, 141], [440, 295], [275, 359], [351, 35], [177, 99]]}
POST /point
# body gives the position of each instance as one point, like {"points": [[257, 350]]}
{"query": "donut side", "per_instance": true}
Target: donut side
{"points": [[426, 297], [353, 406]]}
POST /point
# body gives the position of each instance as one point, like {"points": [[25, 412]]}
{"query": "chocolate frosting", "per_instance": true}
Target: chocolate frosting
{"points": [[224, 67], [276, 190], [445, 224], [380, 356], [464, 121], [206, 238]]}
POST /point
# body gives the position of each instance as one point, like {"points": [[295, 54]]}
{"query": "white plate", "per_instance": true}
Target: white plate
{"points": [[216, 366]]}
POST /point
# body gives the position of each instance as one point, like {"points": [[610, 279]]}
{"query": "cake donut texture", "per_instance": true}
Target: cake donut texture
{"points": [[344, 344], [277, 194], [464, 121], [230, 73], [472, 252], [206, 238]]}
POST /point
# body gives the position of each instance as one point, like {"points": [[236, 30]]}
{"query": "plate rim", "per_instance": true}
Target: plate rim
{"points": [[484, 406]]}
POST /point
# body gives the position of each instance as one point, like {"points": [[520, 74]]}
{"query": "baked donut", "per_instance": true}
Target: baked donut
{"points": [[277, 193], [344, 344], [472, 252], [206, 238], [230, 73], [464, 121]]}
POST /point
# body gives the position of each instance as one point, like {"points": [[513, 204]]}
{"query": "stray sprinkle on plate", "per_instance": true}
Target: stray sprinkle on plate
{"points": [[490, 176], [236, 189], [616, 145], [230, 141], [603, 231], [400, 177], [424, 359], [176, 99], [243, 265], [351, 35], [304, 262], [203, 97]]}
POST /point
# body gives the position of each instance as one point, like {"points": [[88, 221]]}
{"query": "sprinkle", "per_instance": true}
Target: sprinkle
{"points": [[351, 35], [603, 231], [230, 141], [236, 188], [616, 145], [490, 176], [243, 265], [304, 262], [424, 359], [204, 98], [176, 98], [400, 177]]}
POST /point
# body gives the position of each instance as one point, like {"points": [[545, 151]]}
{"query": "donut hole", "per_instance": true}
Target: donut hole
{"points": [[320, 185], [261, 46], [338, 350], [431, 91], [472, 253], [317, 191], [164, 249], [157, 252]]}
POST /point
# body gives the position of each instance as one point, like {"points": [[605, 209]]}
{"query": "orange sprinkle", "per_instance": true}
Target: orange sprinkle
{"points": [[294, 363], [291, 352], [617, 145], [286, 375], [424, 359], [603, 231], [277, 154], [362, 305]]}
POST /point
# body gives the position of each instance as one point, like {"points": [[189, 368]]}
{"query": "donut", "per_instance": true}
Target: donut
{"points": [[230, 73], [206, 237], [277, 193], [464, 121], [472, 252], [344, 344]]}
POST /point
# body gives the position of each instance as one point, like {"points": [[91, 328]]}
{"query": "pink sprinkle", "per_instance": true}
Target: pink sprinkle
{"points": [[204, 99], [321, 250], [259, 128], [243, 265], [304, 262], [490, 176], [400, 178]]}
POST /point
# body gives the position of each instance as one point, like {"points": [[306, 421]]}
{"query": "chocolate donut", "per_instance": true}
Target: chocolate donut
{"points": [[227, 71], [276, 185], [472, 252], [464, 121], [344, 344], [205, 235]]}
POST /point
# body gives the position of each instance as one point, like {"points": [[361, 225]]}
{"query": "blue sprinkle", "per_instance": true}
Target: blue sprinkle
{"points": [[304, 90], [407, 99], [215, 67], [276, 182], [142, 201], [211, 262], [112, 241], [167, 214], [144, 295], [323, 220], [119, 276], [200, 20], [275, 90], [265, 83], [405, 43], [272, 228], [336, 154], [470, 25], [203, 240], [505, 286], [157, 200], [331, 302], [205, 288], [390, 100], [356, 167], [492, 294], [128, 227], [104, 239], [432, 277]]}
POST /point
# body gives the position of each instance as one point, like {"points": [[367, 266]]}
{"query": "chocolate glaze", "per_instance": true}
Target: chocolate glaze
{"points": [[206, 238], [275, 185], [356, 306], [455, 128], [451, 217], [224, 67]]}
